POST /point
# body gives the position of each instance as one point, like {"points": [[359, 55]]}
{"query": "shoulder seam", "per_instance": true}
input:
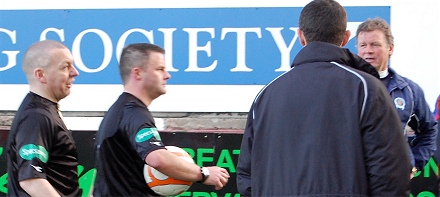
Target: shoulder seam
{"points": [[262, 90], [363, 82]]}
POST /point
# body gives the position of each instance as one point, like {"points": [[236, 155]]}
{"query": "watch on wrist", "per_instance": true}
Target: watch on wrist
{"points": [[205, 174]]}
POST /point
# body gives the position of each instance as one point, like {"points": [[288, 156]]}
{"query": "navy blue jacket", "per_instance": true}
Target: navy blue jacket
{"points": [[415, 116], [323, 128]]}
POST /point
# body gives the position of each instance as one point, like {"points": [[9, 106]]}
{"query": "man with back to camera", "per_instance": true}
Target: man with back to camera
{"points": [[324, 128], [42, 156], [128, 139], [375, 44]]}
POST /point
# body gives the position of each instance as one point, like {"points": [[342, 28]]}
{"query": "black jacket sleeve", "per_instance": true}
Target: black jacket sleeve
{"points": [[386, 151], [244, 159]]}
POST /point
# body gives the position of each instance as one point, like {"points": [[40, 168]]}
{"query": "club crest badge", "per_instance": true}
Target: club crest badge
{"points": [[400, 103]]}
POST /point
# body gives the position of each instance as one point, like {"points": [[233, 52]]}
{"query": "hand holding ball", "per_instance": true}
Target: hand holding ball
{"points": [[161, 183]]}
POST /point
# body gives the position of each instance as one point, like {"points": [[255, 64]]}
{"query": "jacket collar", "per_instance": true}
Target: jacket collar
{"points": [[326, 52], [396, 81]]}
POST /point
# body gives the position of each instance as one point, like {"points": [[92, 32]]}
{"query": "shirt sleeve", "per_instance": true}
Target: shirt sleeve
{"points": [[141, 131], [33, 145]]}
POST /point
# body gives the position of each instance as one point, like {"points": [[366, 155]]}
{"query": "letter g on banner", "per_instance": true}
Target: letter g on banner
{"points": [[12, 55]]}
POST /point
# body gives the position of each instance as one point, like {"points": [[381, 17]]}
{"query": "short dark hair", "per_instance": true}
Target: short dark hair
{"points": [[323, 20], [135, 55]]}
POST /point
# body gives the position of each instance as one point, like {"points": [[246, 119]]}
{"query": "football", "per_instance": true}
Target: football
{"points": [[161, 183]]}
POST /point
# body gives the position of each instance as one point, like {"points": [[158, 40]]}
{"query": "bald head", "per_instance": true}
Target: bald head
{"points": [[49, 69], [39, 55]]}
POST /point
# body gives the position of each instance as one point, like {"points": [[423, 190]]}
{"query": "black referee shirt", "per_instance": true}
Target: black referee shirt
{"points": [[40, 146], [126, 136]]}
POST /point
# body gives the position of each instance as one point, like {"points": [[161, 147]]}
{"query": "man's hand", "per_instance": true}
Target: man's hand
{"points": [[217, 177], [413, 172]]}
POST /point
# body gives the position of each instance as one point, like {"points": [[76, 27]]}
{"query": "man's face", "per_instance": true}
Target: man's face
{"points": [[60, 74], [155, 75], [372, 46]]}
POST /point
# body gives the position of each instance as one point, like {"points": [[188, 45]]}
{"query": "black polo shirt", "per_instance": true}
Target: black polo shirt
{"points": [[126, 136], [40, 146]]}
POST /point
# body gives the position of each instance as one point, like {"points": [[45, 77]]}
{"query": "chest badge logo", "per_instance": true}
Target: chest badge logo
{"points": [[400, 103]]}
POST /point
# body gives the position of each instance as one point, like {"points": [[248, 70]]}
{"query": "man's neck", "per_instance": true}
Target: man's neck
{"points": [[138, 95], [42, 94], [383, 73]]}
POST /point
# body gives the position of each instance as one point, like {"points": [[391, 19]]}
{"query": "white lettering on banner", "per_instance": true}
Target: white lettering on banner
{"points": [[281, 44], [193, 46], [121, 42], [59, 32], [168, 46], [193, 49], [12, 55], [241, 46], [108, 50]]}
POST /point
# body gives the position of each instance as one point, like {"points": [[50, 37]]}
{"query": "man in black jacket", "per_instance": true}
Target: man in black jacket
{"points": [[325, 127]]}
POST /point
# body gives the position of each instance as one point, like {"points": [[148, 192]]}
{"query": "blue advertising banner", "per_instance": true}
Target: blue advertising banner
{"points": [[209, 46]]}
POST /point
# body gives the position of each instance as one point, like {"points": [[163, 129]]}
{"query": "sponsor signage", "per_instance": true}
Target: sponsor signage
{"points": [[204, 46], [207, 149]]}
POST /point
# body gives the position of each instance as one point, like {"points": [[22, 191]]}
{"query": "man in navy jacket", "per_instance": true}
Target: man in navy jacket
{"points": [[324, 128], [375, 44]]}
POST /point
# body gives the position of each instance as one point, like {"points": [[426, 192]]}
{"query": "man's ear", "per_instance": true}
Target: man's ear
{"points": [[136, 73], [390, 52], [39, 75], [346, 38], [302, 39]]}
